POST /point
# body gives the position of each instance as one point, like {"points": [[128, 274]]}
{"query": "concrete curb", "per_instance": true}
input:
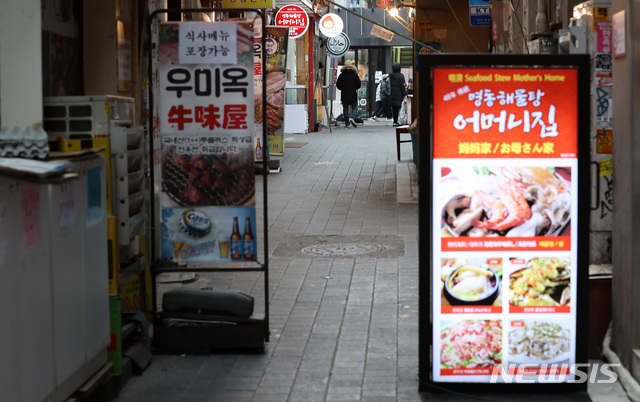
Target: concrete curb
{"points": [[628, 382]]}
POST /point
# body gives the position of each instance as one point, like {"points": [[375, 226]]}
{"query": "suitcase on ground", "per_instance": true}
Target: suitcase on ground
{"points": [[196, 321]]}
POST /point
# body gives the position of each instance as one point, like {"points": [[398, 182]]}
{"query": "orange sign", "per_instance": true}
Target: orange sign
{"points": [[505, 113]]}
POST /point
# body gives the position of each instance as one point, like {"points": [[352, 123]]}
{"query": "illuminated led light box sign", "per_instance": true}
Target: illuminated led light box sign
{"points": [[331, 25], [295, 18], [504, 221]]}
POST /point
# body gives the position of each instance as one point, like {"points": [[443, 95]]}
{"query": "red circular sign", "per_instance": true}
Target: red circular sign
{"points": [[295, 18]]}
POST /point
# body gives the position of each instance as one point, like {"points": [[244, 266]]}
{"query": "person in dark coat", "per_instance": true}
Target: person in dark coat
{"points": [[398, 91], [348, 83]]}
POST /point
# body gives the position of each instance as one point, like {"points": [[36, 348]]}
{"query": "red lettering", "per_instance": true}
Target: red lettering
{"points": [[178, 114]]}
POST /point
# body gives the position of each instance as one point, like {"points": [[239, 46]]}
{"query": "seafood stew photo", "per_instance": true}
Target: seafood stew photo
{"points": [[542, 282], [506, 201]]}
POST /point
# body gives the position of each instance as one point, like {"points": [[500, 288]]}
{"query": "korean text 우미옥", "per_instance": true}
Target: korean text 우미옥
{"points": [[208, 81]]}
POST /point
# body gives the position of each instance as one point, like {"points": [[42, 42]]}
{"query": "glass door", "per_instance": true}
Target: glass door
{"points": [[377, 62], [363, 92]]}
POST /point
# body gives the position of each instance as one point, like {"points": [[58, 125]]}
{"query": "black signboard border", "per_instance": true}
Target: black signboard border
{"points": [[427, 63]]}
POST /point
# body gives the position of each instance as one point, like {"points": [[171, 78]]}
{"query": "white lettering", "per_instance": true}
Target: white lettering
{"points": [[607, 370]]}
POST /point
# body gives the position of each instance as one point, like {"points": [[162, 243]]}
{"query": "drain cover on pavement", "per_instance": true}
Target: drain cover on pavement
{"points": [[343, 249], [340, 246]]}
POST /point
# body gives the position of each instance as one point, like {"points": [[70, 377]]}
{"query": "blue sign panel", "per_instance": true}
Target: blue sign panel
{"points": [[480, 13]]}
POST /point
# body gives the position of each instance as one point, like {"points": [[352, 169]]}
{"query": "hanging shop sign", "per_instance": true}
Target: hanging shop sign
{"points": [[295, 18], [382, 33], [331, 25], [480, 13], [506, 258], [338, 45], [205, 118]]}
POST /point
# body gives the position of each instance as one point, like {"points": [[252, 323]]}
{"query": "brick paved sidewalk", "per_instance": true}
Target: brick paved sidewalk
{"points": [[343, 328]]}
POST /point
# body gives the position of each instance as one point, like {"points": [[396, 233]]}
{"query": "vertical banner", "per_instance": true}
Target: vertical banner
{"points": [[205, 111], [124, 57], [259, 141], [504, 224], [276, 75]]}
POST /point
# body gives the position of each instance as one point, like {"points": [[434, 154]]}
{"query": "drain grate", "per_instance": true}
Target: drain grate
{"points": [[344, 249]]}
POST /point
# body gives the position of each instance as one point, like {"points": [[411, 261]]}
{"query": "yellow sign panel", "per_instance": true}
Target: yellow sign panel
{"points": [[606, 167], [247, 3], [425, 26], [600, 14]]}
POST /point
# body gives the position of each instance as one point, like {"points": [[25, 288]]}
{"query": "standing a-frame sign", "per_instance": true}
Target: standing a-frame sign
{"points": [[203, 207]]}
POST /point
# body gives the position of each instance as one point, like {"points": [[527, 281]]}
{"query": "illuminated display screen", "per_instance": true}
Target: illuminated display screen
{"points": [[505, 202]]}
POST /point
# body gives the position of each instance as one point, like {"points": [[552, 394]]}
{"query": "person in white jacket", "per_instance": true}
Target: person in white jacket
{"points": [[383, 93], [378, 98]]}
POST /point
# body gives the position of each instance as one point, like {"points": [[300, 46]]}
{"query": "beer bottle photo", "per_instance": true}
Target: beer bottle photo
{"points": [[258, 151], [249, 252], [236, 241]]}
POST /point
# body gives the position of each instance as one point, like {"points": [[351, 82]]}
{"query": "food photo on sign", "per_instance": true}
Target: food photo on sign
{"points": [[470, 345], [197, 178], [471, 282], [540, 281], [489, 201], [539, 341]]}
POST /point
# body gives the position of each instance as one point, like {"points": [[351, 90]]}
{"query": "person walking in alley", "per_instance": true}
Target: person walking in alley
{"points": [[348, 83], [378, 99], [398, 91], [385, 92]]}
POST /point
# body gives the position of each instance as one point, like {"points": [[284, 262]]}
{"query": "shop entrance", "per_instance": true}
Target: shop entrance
{"points": [[371, 65], [377, 60]]}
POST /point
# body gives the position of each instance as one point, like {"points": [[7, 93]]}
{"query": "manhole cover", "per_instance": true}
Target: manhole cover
{"points": [[337, 246], [344, 249]]}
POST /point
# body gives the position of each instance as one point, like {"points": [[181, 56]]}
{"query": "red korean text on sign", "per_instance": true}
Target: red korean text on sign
{"points": [[235, 117], [505, 113]]}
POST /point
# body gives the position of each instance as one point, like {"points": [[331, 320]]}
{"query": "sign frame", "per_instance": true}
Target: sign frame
{"points": [[428, 314], [157, 264]]}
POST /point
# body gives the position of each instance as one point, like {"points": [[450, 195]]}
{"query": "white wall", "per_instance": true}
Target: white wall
{"points": [[20, 64]]}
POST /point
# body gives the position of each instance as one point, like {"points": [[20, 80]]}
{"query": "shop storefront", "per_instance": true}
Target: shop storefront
{"points": [[372, 56]]}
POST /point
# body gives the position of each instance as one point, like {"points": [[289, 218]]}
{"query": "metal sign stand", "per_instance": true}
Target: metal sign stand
{"points": [[217, 336]]}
